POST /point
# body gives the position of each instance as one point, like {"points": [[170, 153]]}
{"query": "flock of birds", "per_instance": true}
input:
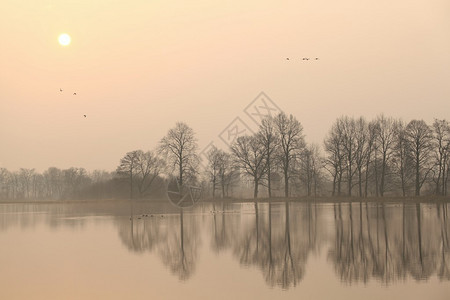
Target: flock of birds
{"points": [[74, 94], [304, 58]]}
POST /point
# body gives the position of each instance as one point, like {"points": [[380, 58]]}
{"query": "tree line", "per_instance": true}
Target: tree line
{"points": [[381, 157], [387, 156]]}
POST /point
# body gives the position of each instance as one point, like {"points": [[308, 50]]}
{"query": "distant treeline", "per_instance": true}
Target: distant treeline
{"points": [[381, 157], [66, 184]]}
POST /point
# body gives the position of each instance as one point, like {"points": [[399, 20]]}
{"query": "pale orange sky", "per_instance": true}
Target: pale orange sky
{"points": [[138, 67]]}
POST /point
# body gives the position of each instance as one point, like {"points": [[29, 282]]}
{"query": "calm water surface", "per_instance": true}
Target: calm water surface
{"points": [[225, 251]]}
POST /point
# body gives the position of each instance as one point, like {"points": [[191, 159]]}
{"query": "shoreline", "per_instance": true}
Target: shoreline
{"points": [[344, 199]]}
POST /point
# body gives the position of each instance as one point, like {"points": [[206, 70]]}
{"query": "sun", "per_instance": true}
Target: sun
{"points": [[64, 39]]}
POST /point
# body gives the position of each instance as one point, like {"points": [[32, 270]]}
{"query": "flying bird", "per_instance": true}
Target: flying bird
{"points": [[317, 58], [287, 58], [84, 116], [60, 89], [74, 94]]}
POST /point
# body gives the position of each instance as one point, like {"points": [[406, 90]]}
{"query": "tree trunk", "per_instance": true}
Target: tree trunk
{"points": [[334, 184], [383, 171], [360, 181], [445, 181], [443, 178], [181, 174], [366, 183], [376, 177], [350, 178], [417, 175], [286, 183], [269, 187], [131, 184], [339, 181], [223, 189]]}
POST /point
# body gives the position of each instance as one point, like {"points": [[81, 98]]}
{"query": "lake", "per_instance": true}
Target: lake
{"points": [[281, 250]]}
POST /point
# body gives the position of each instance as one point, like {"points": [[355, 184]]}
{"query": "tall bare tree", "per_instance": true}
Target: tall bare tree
{"points": [[372, 129], [148, 167], [180, 148], [385, 140], [310, 166], [226, 170], [128, 167], [334, 162], [268, 135], [441, 130], [362, 135], [348, 129], [221, 170], [250, 156], [213, 168], [420, 144], [401, 159], [291, 139]]}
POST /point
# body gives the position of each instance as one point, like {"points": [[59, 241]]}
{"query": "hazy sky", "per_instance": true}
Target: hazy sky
{"points": [[138, 67]]}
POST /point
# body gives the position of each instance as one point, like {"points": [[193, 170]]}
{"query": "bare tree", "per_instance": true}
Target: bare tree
{"points": [[53, 180], [370, 150], [334, 161], [26, 177], [400, 156], [290, 135], [362, 135], [180, 148], [447, 176], [226, 170], [232, 177], [269, 140], [128, 167], [213, 168], [420, 144], [250, 156], [385, 140], [4, 183], [348, 129], [148, 167], [310, 166], [441, 130], [220, 170]]}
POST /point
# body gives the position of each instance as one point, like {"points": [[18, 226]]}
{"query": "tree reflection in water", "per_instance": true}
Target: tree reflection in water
{"points": [[179, 250], [278, 242], [371, 242], [175, 237], [366, 241]]}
